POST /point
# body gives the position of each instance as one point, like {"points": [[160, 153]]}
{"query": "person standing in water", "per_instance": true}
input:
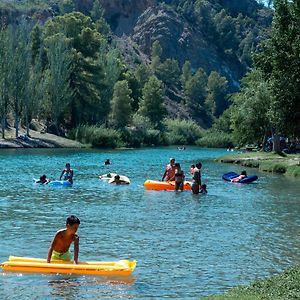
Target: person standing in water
{"points": [[67, 173], [196, 179], [169, 171]]}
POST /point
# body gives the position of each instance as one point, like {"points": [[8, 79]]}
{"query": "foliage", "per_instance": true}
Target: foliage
{"points": [[99, 137], [249, 113], [195, 91], [279, 61], [216, 100], [87, 73], [121, 110], [215, 139], [282, 286], [152, 103], [182, 132]]}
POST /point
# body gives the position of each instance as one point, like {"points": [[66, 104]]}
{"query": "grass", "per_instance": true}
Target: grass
{"points": [[288, 164], [279, 287]]}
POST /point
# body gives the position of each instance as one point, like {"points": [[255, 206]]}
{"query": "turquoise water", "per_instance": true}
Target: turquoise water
{"points": [[186, 246]]}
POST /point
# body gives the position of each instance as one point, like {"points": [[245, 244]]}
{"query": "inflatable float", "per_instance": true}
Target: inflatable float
{"points": [[39, 265], [231, 175], [108, 176], [64, 183], [164, 185]]}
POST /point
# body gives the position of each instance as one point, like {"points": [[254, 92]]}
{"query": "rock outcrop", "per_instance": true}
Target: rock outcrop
{"points": [[181, 41]]}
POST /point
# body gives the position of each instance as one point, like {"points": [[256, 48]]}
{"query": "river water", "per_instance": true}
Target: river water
{"points": [[186, 246]]}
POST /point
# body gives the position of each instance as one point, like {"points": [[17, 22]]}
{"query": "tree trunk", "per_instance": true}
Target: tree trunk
{"points": [[17, 126], [3, 127], [276, 143]]}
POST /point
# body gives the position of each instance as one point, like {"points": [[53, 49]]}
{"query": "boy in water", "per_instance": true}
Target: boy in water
{"points": [[59, 247], [43, 180]]}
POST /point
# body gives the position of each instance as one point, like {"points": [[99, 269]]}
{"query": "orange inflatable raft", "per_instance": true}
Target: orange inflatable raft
{"points": [[164, 185], [39, 265]]}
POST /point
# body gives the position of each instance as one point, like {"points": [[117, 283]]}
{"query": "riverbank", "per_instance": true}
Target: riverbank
{"points": [[282, 286], [37, 140], [287, 164]]}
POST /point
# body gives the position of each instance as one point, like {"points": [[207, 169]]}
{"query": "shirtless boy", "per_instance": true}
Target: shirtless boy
{"points": [[59, 247]]}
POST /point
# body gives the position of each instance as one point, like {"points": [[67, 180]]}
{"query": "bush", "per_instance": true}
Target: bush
{"points": [[273, 167], [99, 137], [215, 140], [293, 171], [182, 132]]}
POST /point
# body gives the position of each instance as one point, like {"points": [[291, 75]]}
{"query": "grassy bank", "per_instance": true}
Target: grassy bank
{"points": [[287, 164], [283, 286]]}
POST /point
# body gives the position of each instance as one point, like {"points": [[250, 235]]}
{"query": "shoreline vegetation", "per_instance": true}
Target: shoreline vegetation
{"points": [[286, 164], [282, 286]]}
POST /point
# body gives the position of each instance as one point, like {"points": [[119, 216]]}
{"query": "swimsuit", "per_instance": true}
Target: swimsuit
{"points": [[65, 256]]}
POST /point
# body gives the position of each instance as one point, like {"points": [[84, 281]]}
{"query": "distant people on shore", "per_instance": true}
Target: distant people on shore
{"points": [[67, 173], [196, 180], [169, 171]]}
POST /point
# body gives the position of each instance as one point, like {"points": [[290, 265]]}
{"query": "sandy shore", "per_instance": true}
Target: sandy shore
{"points": [[37, 140]]}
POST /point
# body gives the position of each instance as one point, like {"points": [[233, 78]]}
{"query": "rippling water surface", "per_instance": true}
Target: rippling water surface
{"points": [[186, 246]]}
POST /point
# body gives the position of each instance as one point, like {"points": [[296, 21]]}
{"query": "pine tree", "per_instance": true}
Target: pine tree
{"points": [[152, 103], [121, 111]]}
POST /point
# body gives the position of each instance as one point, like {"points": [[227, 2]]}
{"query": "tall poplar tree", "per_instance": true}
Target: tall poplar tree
{"points": [[121, 111], [152, 103]]}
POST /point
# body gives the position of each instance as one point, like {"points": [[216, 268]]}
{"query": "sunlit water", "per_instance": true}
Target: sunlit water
{"points": [[186, 246]]}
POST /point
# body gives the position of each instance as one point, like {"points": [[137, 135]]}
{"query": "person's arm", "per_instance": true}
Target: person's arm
{"points": [[163, 177], [50, 250], [76, 249], [61, 175], [72, 173]]}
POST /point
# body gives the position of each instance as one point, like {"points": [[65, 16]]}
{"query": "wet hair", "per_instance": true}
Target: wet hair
{"points": [[203, 186], [177, 165], [198, 164], [71, 220], [117, 177], [43, 177], [244, 173], [68, 165], [192, 166]]}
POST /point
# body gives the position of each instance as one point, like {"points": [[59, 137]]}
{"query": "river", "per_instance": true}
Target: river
{"points": [[186, 246]]}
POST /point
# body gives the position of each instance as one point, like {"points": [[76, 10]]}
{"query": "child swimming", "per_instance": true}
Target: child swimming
{"points": [[59, 247]]}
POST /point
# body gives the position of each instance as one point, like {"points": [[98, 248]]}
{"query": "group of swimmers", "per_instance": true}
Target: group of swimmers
{"points": [[173, 172], [67, 175]]}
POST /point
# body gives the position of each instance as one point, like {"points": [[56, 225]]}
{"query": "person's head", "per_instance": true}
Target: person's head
{"points": [[203, 186], [43, 177], [172, 161], [198, 165], [117, 177], [68, 166], [177, 165], [244, 173], [192, 166], [72, 223]]}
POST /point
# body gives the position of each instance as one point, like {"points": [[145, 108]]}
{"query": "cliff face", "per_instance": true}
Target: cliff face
{"points": [[181, 41], [122, 15]]}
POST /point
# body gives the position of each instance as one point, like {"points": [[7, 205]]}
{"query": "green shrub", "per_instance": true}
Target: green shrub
{"points": [[215, 139], [293, 171], [182, 132], [273, 167], [154, 137], [98, 137]]}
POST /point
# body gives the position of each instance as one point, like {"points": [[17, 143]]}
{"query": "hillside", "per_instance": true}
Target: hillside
{"points": [[197, 50]]}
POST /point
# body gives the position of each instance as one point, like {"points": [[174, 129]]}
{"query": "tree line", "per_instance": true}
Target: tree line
{"points": [[68, 73]]}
